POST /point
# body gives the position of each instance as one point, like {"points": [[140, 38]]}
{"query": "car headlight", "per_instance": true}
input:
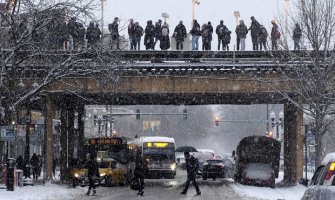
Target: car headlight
{"points": [[103, 174], [76, 175], [173, 166]]}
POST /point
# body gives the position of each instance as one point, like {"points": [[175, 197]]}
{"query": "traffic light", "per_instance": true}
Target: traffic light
{"points": [[217, 120], [185, 113], [138, 114]]}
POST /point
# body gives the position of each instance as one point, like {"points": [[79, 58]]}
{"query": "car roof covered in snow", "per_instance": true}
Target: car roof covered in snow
{"points": [[157, 139], [329, 158], [205, 150]]}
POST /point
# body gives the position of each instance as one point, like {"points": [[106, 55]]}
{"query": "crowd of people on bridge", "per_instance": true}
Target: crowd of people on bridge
{"points": [[74, 36]]}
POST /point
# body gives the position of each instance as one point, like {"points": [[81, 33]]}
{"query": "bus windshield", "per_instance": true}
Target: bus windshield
{"points": [[159, 151]]}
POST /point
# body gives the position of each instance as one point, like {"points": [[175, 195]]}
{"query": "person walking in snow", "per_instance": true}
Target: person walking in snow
{"points": [[192, 166]]}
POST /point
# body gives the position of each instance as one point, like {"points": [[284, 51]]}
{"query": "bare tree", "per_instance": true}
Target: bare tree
{"points": [[310, 72]]}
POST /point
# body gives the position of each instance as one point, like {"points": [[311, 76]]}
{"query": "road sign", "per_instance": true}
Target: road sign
{"points": [[7, 133]]}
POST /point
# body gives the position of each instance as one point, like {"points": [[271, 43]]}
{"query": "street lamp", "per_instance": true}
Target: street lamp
{"points": [[165, 16], [193, 8], [237, 16], [286, 16], [102, 16]]}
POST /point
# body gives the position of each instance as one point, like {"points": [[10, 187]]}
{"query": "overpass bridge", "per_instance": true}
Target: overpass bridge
{"points": [[175, 78]]}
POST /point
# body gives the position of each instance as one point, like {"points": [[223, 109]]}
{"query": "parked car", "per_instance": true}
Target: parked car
{"points": [[202, 155], [258, 174], [218, 168], [322, 185]]}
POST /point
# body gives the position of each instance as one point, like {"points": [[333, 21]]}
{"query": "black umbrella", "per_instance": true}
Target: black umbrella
{"points": [[186, 148]]}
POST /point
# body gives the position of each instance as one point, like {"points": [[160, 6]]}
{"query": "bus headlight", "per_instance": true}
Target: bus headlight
{"points": [[173, 166], [103, 174], [76, 175]]}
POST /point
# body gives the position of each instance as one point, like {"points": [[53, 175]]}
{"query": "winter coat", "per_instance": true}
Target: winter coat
{"points": [[79, 31], [131, 30], [34, 161], [205, 33], [97, 34], [180, 32], [192, 165], [297, 32], [241, 31], [158, 30], [195, 31], [275, 34], [90, 33], [113, 28], [92, 168], [141, 166], [210, 29], [138, 33], [221, 30], [263, 34], [149, 34], [255, 28], [227, 37], [165, 39]]}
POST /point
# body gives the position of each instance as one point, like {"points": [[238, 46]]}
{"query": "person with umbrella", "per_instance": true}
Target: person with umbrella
{"points": [[192, 166]]}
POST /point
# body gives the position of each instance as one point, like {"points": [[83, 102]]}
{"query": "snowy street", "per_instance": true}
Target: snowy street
{"points": [[163, 189]]}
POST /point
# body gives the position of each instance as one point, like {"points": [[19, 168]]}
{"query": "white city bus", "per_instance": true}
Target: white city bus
{"points": [[160, 154]]}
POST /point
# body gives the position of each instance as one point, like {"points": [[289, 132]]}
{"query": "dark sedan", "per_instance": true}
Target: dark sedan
{"points": [[218, 168]]}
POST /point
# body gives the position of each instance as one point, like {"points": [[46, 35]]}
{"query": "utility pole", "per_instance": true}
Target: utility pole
{"points": [[102, 16], [193, 8]]}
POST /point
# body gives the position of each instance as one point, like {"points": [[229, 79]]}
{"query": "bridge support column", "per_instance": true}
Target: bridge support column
{"points": [[49, 137], [293, 144], [64, 145]]}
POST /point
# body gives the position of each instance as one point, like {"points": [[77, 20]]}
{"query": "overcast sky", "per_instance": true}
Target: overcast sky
{"points": [[208, 10]]}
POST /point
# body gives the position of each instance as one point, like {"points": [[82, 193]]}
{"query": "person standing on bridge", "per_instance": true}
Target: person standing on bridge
{"points": [[196, 33], [220, 31], [254, 29], [165, 39], [205, 37], [275, 35], [192, 167], [158, 32], [210, 29], [297, 32], [137, 36], [180, 34], [114, 30], [241, 33], [263, 37], [149, 36], [131, 34]]}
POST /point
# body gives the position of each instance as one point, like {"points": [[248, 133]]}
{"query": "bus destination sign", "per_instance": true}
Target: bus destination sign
{"points": [[112, 141]]}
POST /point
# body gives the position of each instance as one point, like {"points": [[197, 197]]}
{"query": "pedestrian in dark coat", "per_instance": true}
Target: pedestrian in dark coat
{"points": [[114, 31], [131, 34], [226, 39], [141, 170], [97, 33], [275, 35], [149, 36], [90, 34], [165, 38], [180, 34], [196, 33], [64, 36], [192, 166], [263, 37], [297, 32], [35, 164], [241, 33], [19, 163], [137, 36], [254, 29], [220, 30], [158, 32], [210, 35], [92, 173], [205, 33]]}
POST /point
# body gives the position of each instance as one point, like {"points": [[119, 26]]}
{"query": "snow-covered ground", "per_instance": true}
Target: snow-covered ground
{"points": [[162, 189]]}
